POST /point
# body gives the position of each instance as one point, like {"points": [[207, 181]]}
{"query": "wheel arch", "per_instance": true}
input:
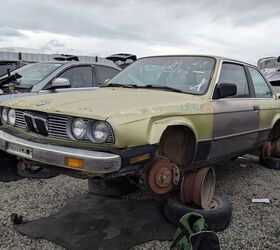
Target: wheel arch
{"points": [[158, 128], [176, 133], [275, 127]]}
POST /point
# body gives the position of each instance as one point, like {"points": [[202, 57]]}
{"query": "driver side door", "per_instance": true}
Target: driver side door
{"points": [[236, 118]]}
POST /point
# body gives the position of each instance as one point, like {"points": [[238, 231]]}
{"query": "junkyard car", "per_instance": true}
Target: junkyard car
{"points": [[11, 65], [270, 67], [52, 77], [159, 119], [55, 76]]}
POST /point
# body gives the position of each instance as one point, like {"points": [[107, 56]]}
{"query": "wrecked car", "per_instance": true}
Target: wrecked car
{"points": [[52, 77], [270, 67], [122, 60], [161, 122], [65, 74], [10, 65]]}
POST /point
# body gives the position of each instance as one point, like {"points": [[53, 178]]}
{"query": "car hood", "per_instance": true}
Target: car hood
{"points": [[110, 102]]}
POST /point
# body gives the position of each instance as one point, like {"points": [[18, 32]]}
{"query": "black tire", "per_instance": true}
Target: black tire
{"points": [[217, 219], [40, 173], [112, 187], [271, 162]]}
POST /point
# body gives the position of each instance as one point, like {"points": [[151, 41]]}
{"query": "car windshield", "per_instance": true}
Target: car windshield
{"points": [[32, 74], [189, 74], [4, 66]]}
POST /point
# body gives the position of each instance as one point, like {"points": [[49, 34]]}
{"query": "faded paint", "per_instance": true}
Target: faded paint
{"points": [[148, 112], [140, 116]]}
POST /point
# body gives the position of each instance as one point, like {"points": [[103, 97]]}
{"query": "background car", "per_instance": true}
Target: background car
{"points": [[122, 59], [45, 77], [11, 65], [270, 67]]}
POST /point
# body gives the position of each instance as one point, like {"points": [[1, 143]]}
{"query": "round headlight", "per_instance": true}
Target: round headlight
{"points": [[100, 131], [79, 128], [12, 117], [4, 115]]}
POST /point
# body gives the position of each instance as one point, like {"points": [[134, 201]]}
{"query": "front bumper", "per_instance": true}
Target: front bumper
{"points": [[93, 161]]}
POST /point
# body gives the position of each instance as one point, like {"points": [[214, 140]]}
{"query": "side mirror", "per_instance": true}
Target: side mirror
{"points": [[60, 83], [223, 90]]}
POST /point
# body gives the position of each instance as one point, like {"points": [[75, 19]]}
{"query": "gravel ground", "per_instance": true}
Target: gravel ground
{"points": [[253, 226]]}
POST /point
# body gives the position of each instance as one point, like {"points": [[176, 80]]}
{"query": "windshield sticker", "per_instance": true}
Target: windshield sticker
{"points": [[199, 85], [172, 65]]}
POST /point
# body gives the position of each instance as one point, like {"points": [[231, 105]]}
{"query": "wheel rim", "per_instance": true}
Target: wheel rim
{"points": [[187, 187], [199, 187]]}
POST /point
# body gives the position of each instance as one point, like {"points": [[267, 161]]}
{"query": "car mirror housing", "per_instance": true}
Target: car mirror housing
{"points": [[60, 83], [223, 90]]}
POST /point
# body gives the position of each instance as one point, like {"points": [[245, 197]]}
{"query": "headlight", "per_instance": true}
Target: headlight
{"points": [[12, 117], [4, 115], [79, 128], [100, 131]]}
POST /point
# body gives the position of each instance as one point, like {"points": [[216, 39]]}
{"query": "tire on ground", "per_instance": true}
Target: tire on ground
{"points": [[217, 219], [113, 187], [40, 173], [271, 162]]}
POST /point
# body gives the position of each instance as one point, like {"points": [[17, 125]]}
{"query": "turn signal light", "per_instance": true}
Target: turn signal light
{"points": [[74, 163], [139, 158]]}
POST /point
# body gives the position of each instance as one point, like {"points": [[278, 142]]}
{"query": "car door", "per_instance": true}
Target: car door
{"points": [[104, 73], [236, 118], [266, 102]]}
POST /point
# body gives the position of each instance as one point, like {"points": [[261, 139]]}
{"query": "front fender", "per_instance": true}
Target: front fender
{"points": [[158, 127]]}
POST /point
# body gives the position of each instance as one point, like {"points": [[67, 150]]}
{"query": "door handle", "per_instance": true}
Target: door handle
{"points": [[256, 107]]}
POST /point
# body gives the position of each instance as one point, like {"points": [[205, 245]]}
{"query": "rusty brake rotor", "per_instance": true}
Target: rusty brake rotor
{"points": [[161, 175]]}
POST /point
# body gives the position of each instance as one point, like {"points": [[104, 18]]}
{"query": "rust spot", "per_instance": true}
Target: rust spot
{"points": [[159, 176], [176, 145]]}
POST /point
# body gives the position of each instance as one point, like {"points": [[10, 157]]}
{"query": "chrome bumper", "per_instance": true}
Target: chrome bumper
{"points": [[94, 161]]}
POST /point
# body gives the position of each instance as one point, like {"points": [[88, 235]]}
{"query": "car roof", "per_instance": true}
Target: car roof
{"points": [[2, 60], [79, 63], [203, 55]]}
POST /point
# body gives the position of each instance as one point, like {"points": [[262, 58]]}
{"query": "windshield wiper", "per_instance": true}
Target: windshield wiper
{"points": [[120, 85], [154, 86]]}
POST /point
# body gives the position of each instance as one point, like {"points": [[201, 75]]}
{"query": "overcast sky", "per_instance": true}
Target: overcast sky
{"points": [[245, 30]]}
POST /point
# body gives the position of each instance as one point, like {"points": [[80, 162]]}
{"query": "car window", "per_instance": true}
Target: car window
{"points": [[105, 73], [233, 73], [79, 77], [261, 88], [7, 65]]}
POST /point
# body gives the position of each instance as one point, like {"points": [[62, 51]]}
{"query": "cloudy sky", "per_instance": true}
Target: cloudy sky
{"points": [[245, 30]]}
